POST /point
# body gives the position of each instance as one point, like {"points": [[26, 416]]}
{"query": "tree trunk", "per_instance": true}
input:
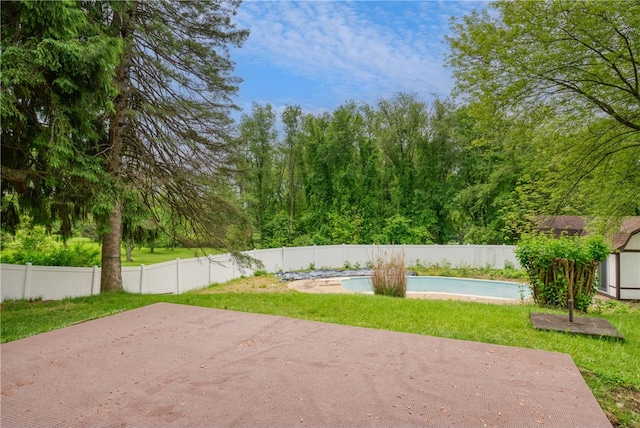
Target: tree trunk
{"points": [[111, 274], [129, 248]]}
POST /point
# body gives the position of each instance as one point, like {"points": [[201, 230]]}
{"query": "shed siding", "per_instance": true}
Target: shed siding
{"points": [[630, 275], [612, 275], [634, 243]]}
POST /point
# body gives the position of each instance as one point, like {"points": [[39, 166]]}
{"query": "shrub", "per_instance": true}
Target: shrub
{"points": [[37, 247], [388, 275], [400, 230], [554, 264]]}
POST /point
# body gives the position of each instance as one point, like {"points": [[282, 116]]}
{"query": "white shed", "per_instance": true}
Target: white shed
{"points": [[620, 273]]}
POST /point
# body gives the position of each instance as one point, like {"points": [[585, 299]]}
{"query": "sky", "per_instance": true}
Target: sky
{"points": [[321, 54]]}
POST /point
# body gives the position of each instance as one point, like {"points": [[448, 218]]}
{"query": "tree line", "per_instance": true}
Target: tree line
{"points": [[389, 173], [400, 171]]}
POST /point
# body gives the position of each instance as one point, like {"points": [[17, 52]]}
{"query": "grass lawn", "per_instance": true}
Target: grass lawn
{"points": [[610, 367], [143, 256]]}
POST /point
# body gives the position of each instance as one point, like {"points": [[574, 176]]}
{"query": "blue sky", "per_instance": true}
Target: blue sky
{"points": [[320, 54]]}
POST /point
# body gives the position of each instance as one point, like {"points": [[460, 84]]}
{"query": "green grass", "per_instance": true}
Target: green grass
{"points": [[610, 367], [510, 273], [143, 256]]}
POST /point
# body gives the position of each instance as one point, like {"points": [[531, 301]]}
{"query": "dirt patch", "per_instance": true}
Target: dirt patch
{"points": [[618, 400], [627, 398], [257, 284]]}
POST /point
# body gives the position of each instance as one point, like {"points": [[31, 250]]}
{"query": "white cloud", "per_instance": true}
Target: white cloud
{"points": [[375, 49]]}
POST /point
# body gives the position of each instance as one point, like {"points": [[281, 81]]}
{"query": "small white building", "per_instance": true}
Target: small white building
{"points": [[620, 273]]}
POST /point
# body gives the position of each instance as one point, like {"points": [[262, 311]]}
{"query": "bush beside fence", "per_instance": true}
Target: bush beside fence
{"points": [[178, 276]]}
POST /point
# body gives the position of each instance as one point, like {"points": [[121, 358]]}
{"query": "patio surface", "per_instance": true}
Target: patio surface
{"points": [[173, 365]]}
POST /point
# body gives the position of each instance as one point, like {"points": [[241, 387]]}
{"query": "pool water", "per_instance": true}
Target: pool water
{"points": [[439, 284]]}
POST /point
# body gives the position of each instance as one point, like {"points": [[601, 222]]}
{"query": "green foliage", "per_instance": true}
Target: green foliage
{"points": [[360, 174], [57, 68], [512, 55], [260, 272], [276, 231], [555, 264], [508, 273], [345, 227], [576, 118], [399, 230], [389, 275], [259, 139], [36, 246]]}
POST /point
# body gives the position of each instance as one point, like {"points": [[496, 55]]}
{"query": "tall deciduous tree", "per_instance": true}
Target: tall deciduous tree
{"points": [[575, 61], [170, 134], [258, 135], [292, 121], [436, 164], [401, 126]]}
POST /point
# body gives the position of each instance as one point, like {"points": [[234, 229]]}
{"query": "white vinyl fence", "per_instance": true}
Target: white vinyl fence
{"points": [[178, 276]]}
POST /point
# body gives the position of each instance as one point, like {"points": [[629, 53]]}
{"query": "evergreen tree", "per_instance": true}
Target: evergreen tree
{"points": [[170, 136], [57, 72]]}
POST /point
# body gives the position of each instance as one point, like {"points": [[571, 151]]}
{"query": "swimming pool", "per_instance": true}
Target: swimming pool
{"points": [[439, 284]]}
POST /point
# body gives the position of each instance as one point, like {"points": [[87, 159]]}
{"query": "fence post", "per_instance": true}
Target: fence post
{"points": [[95, 285], [314, 257], [141, 278], [26, 290], [177, 276]]}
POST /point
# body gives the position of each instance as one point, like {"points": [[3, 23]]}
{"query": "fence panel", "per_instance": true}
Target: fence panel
{"points": [[298, 259], [223, 269], [611, 278], [160, 278], [328, 256], [362, 255], [194, 273], [271, 258], [13, 279], [132, 278], [61, 282]]}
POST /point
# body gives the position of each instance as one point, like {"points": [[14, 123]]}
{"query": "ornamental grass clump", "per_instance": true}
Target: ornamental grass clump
{"points": [[388, 275], [557, 265]]}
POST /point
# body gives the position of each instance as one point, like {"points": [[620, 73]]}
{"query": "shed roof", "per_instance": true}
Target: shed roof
{"points": [[577, 225], [569, 224], [629, 227]]}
